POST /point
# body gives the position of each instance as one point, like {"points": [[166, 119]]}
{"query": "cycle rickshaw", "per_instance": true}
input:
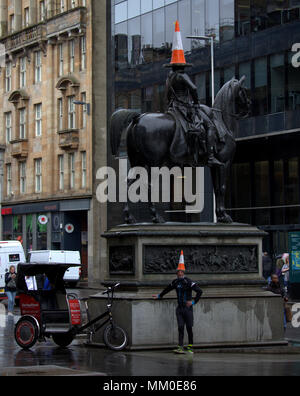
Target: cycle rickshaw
{"points": [[57, 314]]}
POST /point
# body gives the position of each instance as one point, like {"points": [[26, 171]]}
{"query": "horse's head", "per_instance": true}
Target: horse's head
{"points": [[240, 96]]}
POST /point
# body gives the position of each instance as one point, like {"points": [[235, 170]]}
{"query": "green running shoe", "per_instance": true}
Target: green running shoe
{"points": [[179, 350], [189, 349]]}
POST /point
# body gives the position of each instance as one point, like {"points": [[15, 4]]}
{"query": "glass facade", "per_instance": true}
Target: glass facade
{"points": [[253, 38]]}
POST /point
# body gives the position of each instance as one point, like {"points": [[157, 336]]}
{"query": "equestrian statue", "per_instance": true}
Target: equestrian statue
{"points": [[188, 134]]}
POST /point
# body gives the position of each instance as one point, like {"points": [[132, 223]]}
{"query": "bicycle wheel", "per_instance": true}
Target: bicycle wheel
{"points": [[115, 337], [26, 332]]}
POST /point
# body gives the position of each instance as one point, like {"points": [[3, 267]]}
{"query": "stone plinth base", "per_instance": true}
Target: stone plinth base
{"points": [[226, 261], [232, 320]]}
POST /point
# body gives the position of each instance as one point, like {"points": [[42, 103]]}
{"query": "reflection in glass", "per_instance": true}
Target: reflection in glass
{"points": [[121, 12], [134, 8], [158, 4], [260, 103], [226, 20], [171, 17], [293, 85], [198, 22], [277, 83], [134, 41], [121, 45], [184, 13], [259, 16], [243, 15], [146, 6], [245, 70], [212, 18], [146, 37], [159, 34]]}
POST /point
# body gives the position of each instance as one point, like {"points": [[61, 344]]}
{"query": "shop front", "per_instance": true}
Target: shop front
{"points": [[55, 225]]}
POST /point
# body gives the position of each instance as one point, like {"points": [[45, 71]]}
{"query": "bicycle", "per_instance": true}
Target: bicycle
{"points": [[114, 336]]}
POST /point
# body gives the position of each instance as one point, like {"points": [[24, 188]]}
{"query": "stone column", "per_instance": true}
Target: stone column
{"points": [[3, 17]]}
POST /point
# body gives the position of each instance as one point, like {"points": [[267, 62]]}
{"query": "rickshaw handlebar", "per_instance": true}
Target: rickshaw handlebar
{"points": [[110, 289]]}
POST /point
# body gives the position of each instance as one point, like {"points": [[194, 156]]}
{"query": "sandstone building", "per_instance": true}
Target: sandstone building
{"points": [[52, 144]]}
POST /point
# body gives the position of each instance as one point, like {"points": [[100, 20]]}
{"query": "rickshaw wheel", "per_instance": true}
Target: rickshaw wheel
{"points": [[26, 332], [63, 339], [115, 337]]}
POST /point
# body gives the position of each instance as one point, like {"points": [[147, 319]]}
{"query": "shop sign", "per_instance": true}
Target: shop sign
{"points": [[69, 228]]}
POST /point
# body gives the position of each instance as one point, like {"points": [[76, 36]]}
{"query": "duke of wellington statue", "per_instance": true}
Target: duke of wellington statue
{"points": [[223, 258]]}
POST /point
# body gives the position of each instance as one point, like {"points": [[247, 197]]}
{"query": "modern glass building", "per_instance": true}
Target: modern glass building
{"points": [[255, 38]]}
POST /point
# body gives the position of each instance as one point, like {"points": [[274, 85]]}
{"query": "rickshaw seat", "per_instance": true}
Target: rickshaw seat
{"points": [[54, 311]]}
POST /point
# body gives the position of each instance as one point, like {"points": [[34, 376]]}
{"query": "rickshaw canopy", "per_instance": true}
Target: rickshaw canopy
{"points": [[53, 271]]}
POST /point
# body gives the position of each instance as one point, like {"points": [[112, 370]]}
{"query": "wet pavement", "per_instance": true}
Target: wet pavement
{"points": [[48, 359]]}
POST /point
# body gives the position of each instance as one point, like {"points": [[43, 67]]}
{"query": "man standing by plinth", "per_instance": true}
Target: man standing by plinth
{"points": [[185, 317]]}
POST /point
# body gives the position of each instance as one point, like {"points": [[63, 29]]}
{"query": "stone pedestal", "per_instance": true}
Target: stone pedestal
{"points": [[226, 260]]}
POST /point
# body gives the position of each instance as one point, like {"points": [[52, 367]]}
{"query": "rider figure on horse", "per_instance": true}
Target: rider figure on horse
{"points": [[183, 102]]}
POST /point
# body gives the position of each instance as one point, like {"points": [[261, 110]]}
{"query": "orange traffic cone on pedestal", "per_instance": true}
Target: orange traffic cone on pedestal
{"points": [[181, 266]]}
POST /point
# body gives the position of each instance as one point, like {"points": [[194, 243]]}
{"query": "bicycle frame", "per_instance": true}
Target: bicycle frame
{"points": [[110, 296]]}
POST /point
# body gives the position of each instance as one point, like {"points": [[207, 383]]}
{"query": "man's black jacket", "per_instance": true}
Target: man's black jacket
{"points": [[184, 288]]}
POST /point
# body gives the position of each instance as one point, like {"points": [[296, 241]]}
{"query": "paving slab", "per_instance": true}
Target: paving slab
{"points": [[45, 371]]}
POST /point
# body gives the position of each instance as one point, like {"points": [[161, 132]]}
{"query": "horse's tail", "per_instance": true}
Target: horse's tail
{"points": [[119, 121]]}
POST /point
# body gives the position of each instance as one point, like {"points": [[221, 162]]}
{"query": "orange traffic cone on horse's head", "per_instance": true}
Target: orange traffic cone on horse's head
{"points": [[178, 58], [181, 266]]}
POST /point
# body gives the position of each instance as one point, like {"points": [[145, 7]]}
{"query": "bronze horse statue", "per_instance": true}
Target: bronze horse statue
{"points": [[149, 138]]}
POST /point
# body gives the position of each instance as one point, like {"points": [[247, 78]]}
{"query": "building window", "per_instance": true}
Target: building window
{"points": [[26, 17], [8, 77], [83, 169], [12, 23], [60, 60], [38, 119], [8, 179], [61, 172], [38, 66], [22, 114], [22, 72], [42, 11], [73, 3], [8, 124], [62, 5], [60, 114], [38, 175], [72, 113], [72, 55], [83, 52], [22, 177], [72, 170]]}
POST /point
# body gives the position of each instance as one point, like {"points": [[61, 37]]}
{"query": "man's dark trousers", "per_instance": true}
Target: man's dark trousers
{"points": [[185, 316]]}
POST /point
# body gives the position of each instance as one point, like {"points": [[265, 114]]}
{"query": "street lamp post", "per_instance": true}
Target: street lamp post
{"points": [[211, 39]]}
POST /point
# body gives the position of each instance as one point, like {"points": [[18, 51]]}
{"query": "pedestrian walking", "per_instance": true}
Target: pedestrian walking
{"points": [[185, 317], [285, 270], [276, 288], [11, 288]]}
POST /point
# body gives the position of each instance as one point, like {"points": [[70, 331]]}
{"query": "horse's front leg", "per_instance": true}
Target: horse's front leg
{"points": [[128, 216], [156, 218], [219, 176]]}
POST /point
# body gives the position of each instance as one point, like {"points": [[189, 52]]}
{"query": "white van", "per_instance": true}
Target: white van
{"points": [[72, 275], [11, 253]]}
